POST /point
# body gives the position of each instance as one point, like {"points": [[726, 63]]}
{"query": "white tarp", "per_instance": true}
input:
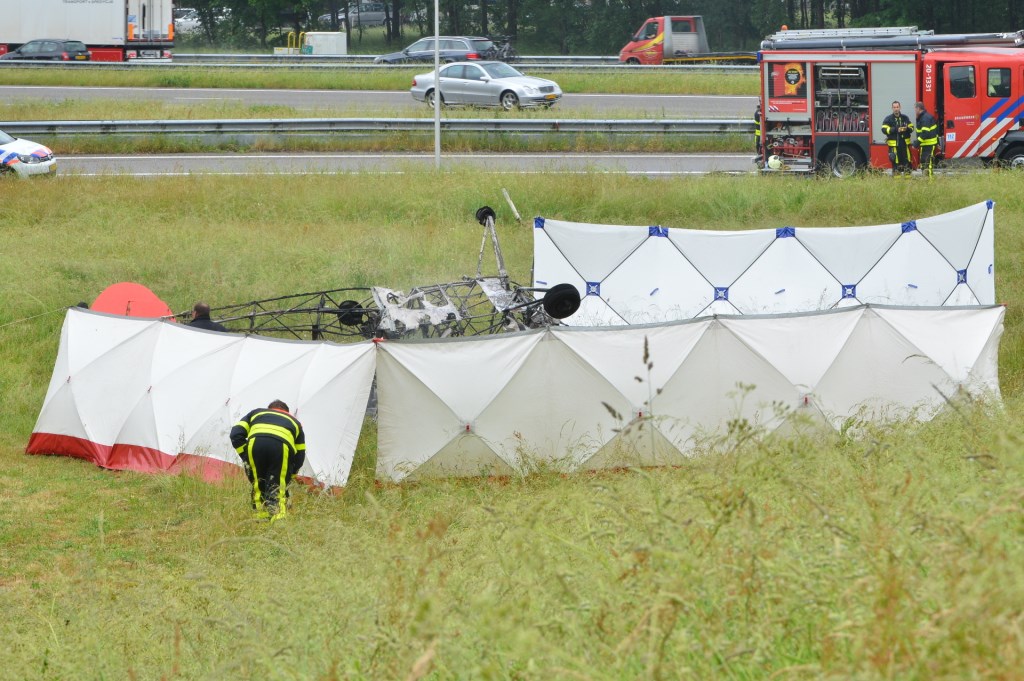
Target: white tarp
{"points": [[646, 274], [641, 395], [144, 394]]}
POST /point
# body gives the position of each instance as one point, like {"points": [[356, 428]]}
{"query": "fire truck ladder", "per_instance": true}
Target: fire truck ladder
{"points": [[892, 38], [848, 32]]}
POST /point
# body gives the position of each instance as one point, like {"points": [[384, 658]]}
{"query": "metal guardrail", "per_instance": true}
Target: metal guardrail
{"points": [[186, 57], [348, 62], [351, 125], [547, 61]]}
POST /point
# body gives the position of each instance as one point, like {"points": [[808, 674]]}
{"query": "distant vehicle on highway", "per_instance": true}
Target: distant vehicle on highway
{"points": [[486, 83], [186, 19], [24, 158], [51, 50], [364, 15], [452, 48], [110, 30]]}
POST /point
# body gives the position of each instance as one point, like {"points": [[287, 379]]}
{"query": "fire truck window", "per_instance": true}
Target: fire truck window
{"points": [[999, 82], [961, 81], [650, 31]]}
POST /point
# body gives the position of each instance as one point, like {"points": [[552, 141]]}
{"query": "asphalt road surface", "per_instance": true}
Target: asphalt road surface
{"points": [[371, 102], [652, 164]]}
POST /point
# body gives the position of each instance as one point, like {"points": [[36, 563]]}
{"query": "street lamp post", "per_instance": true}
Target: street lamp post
{"points": [[437, 86]]}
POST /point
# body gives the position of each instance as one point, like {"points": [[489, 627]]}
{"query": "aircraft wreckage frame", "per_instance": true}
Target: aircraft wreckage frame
{"points": [[473, 306]]}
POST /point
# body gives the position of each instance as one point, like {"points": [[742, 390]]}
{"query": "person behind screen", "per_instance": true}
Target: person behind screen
{"points": [[201, 318]]}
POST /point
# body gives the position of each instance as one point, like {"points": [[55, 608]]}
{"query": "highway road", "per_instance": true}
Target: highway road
{"points": [[653, 164], [372, 102]]}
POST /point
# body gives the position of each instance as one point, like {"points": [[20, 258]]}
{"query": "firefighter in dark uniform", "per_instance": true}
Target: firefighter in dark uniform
{"points": [[927, 137], [897, 128], [757, 135], [272, 447]]}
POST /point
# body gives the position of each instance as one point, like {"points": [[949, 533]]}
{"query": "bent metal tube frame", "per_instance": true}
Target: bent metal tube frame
{"points": [[473, 306]]}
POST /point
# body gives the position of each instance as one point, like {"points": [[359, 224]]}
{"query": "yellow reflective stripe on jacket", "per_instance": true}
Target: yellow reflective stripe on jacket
{"points": [[928, 135], [274, 431], [295, 424], [279, 414], [257, 498], [282, 487]]}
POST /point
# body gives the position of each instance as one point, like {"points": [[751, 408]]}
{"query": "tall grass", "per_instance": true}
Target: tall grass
{"points": [[896, 553]]}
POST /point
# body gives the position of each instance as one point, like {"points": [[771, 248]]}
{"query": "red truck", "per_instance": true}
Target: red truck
{"points": [[121, 30], [675, 40], [824, 95]]}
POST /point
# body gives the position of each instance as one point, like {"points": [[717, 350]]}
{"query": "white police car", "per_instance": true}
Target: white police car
{"points": [[25, 158]]}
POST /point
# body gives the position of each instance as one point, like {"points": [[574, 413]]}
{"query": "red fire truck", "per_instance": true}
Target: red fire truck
{"points": [[825, 93]]}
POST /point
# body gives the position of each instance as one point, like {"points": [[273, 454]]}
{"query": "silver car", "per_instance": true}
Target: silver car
{"points": [[486, 83]]}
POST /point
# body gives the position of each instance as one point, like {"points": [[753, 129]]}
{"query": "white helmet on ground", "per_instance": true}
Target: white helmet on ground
{"points": [[775, 162]]}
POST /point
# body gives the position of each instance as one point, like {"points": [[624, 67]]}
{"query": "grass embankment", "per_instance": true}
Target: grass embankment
{"points": [[385, 78], [895, 554], [110, 109]]}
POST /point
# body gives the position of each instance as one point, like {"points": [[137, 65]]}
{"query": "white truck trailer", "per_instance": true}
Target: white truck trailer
{"points": [[113, 30]]}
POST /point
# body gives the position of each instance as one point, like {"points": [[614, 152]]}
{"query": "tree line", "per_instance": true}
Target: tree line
{"points": [[602, 27]]}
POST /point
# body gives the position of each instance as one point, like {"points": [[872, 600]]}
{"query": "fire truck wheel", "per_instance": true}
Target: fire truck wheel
{"points": [[1013, 158], [632, 61], [843, 162]]}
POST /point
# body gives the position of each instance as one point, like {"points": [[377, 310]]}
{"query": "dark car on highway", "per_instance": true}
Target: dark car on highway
{"points": [[452, 49], [51, 50]]}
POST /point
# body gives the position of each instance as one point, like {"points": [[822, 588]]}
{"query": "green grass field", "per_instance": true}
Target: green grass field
{"points": [[78, 109], [881, 553]]}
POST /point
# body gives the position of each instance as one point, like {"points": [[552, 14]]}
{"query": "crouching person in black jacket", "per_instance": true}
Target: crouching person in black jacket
{"points": [[272, 447]]}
